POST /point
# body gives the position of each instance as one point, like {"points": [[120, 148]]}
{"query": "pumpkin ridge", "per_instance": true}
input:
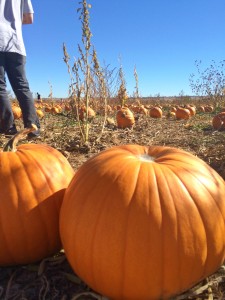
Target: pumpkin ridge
{"points": [[155, 168], [154, 174], [93, 244], [6, 243], [124, 264], [215, 204], [78, 180], [19, 155], [202, 214], [33, 156], [144, 168], [123, 167], [169, 154], [11, 177], [16, 186], [101, 212], [166, 278], [98, 215], [205, 188], [197, 209], [173, 173]]}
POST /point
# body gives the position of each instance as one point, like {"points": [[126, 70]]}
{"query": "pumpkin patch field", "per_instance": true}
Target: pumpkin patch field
{"points": [[136, 212]]}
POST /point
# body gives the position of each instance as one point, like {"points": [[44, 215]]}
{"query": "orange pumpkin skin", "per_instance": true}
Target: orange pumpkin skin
{"points": [[148, 225], [218, 121], [55, 110], [82, 112], [192, 110], [182, 114], [32, 184], [125, 118], [209, 108], [173, 109], [155, 112], [48, 108], [17, 112], [201, 109], [143, 110], [40, 113]]}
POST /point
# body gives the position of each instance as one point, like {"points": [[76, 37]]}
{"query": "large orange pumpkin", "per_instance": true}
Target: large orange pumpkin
{"points": [[33, 179], [144, 222]]}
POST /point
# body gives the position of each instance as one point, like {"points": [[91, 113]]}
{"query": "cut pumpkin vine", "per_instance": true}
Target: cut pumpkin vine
{"points": [[10, 146]]}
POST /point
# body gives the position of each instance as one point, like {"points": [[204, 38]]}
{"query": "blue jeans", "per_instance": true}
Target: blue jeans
{"points": [[13, 64]]}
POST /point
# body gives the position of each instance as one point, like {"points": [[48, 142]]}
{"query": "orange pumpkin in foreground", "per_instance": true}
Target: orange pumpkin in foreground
{"points": [[144, 222], [33, 179]]}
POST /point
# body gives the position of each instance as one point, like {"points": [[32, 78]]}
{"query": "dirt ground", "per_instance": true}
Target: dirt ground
{"points": [[52, 278]]}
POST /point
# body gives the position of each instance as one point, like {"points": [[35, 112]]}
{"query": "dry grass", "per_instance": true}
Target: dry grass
{"points": [[53, 278]]}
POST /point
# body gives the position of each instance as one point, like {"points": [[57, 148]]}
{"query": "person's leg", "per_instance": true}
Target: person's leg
{"points": [[6, 114], [15, 69]]}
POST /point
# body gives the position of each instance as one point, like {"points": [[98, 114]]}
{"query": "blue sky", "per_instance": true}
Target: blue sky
{"points": [[161, 38]]}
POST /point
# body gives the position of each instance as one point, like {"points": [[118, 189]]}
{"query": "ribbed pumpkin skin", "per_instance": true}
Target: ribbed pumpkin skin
{"points": [[182, 114], [155, 112], [218, 121], [125, 118], [17, 112], [136, 229], [32, 184], [192, 110]]}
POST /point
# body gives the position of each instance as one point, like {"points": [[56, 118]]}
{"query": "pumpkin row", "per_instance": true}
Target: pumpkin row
{"points": [[135, 222]]}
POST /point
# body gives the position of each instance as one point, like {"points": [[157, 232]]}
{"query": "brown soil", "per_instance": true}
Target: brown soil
{"points": [[53, 278]]}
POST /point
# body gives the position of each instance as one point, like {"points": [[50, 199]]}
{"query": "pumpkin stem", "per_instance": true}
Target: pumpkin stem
{"points": [[10, 146]]}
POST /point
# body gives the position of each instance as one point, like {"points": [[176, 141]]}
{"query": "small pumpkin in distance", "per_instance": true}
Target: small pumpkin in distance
{"points": [[173, 109], [182, 113], [55, 110], [155, 112], [17, 112], [144, 222], [83, 113], [125, 118], [40, 113], [143, 110], [47, 108], [209, 108], [201, 109], [33, 179], [192, 110], [218, 121]]}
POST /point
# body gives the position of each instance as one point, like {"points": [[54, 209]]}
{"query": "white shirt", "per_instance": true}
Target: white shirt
{"points": [[11, 18]]}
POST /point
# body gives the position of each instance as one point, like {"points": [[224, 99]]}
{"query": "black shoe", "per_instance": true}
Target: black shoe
{"points": [[10, 132], [33, 135]]}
